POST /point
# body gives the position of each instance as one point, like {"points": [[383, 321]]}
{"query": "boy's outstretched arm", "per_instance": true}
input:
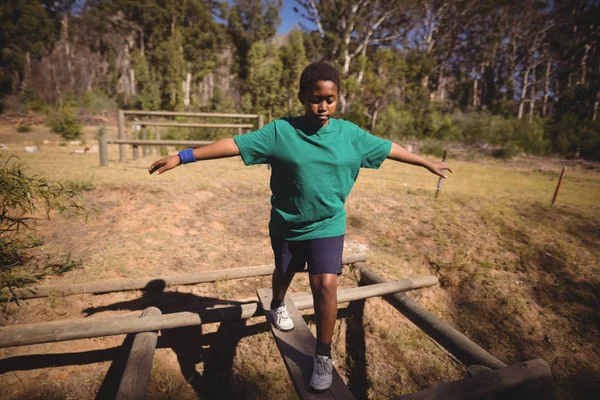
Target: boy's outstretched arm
{"points": [[219, 149], [399, 153]]}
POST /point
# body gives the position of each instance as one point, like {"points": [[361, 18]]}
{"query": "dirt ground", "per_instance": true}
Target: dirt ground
{"points": [[517, 277]]}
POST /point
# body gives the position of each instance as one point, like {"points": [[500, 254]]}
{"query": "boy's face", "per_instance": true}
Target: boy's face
{"points": [[320, 102]]}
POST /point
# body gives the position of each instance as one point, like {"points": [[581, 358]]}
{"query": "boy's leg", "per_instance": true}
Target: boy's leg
{"points": [[324, 265], [289, 258], [280, 284], [324, 291]]}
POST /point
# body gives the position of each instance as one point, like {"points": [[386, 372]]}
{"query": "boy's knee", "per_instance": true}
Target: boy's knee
{"points": [[325, 289]]}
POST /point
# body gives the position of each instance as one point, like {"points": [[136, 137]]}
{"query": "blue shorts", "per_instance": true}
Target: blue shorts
{"points": [[323, 256]]}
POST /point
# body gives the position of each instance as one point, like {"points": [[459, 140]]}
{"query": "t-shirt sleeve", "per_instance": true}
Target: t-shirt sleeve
{"points": [[257, 146], [373, 150]]}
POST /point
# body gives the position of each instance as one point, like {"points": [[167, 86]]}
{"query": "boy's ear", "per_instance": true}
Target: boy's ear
{"points": [[301, 98]]}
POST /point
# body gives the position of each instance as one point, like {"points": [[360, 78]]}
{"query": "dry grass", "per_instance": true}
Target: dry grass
{"points": [[519, 278]]}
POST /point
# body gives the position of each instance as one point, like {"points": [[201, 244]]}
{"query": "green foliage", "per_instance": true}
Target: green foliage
{"points": [[249, 22], [148, 97], [293, 62], [23, 128], [65, 123], [96, 101], [265, 70], [22, 198]]}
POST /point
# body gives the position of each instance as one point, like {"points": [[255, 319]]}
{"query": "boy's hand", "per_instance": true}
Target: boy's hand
{"points": [[164, 164], [438, 168]]}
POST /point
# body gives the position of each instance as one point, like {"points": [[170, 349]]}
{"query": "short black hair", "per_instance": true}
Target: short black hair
{"points": [[318, 72]]}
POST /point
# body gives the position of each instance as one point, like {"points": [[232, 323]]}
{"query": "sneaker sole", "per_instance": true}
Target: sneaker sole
{"points": [[320, 389], [284, 330]]}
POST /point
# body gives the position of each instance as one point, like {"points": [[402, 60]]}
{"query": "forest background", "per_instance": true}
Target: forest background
{"points": [[517, 76]]}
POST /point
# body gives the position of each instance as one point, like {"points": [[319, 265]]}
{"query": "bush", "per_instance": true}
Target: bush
{"points": [[96, 101], [23, 128], [21, 197], [66, 124]]}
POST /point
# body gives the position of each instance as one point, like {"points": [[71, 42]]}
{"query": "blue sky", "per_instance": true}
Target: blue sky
{"points": [[289, 18]]}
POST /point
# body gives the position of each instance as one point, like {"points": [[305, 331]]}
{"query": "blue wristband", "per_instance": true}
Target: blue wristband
{"points": [[187, 156]]}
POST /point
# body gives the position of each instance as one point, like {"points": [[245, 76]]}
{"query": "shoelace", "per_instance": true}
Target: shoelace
{"points": [[281, 313], [323, 367]]}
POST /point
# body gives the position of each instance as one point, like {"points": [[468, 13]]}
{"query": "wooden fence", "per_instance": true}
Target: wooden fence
{"points": [[256, 121]]}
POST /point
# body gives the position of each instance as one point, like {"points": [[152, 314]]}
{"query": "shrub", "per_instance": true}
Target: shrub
{"points": [[21, 197], [65, 124], [96, 101], [23, 128]]}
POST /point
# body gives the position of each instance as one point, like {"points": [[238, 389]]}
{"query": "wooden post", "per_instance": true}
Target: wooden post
{"points": [[239, 131], [157, 137], [439, 185], [121, 133], [103, 145], [135, 152], [463, 348], [560, 179], [261, 121], [488, 384], [136, 377], [144, 137]]}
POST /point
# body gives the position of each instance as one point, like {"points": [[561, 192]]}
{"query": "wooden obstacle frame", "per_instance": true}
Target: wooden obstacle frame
{"points": [[253, 121], [491, 376]]}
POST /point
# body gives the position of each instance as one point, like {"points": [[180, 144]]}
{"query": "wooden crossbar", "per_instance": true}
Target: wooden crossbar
{"points": [[189, 114], [192, 125], [140, 283], [297, 350], [487, 384]]}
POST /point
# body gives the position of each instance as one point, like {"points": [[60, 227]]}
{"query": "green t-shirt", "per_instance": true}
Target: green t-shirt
{"points": [[313, 171]]}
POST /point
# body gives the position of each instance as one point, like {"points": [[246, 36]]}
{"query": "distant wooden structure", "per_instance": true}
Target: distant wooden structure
{"points": [[492, 376], [256, 121]]}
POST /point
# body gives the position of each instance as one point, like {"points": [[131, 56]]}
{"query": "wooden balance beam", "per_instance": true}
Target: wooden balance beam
{"points": [[297, 349]]}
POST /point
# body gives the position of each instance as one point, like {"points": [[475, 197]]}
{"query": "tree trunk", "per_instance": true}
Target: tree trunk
{"points": [[524, 88], [26, 72], [374, 119], [533, 94], [65, 40], [142, 42], [584, 64], [596, 105], [546, 87], [187, 85], [510, 81], [475, 101], [132, 81]]}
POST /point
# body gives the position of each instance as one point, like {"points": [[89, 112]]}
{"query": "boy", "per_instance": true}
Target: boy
{"points": [[315, 160]]}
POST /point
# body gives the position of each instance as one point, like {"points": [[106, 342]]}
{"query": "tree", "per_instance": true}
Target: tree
{"points": [[293, 60], [251, 21], [26, 32]]}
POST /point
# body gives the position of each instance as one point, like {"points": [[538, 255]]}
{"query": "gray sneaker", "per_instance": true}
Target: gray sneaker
{"points": [[322, 375], [281, 318]]}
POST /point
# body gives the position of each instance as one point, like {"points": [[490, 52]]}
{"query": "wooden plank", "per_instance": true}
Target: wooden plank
{"points": [[463, 348], [194, 125], [139, 142], [134, 384], [134, 284], [297, 349], [189, 114], [487, 383]]}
